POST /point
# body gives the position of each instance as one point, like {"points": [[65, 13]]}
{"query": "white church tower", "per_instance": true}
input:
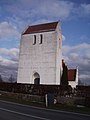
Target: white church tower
{"points": [[40, 60]]}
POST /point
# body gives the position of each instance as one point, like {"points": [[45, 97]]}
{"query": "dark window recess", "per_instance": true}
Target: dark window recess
{"points": [[41, 38], [37, 81], [34, 40]]}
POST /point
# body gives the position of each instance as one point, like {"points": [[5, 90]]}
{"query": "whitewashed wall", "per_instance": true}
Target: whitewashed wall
{"points": [[45, 58]]}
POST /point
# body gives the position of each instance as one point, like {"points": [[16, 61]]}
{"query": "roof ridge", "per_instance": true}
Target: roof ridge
{"points": [[44, 23]]}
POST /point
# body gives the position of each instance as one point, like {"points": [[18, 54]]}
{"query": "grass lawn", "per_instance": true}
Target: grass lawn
{"points": [[83, 110]]}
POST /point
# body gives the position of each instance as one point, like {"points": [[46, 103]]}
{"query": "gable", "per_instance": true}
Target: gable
{"points": [[71, 74]]}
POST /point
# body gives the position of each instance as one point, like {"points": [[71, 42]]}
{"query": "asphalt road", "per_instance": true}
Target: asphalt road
{"points": [[14, 111]]}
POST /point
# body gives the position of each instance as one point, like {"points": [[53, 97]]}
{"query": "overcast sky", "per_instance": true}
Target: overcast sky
{"points": [[16, 15]]}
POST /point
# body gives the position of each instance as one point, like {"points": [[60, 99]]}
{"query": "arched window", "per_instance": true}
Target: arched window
{"points": [[34, 40], [36, 78], [41, 38]]}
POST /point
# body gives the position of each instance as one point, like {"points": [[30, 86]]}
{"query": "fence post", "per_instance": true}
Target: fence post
{"points": [[46, 100]]}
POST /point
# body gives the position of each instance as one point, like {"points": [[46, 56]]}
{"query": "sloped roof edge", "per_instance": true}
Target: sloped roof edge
{"points": [[41, 28]]}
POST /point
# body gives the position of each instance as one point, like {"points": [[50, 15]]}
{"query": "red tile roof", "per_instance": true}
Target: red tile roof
{"points": [[71, 74], [41, 28]]}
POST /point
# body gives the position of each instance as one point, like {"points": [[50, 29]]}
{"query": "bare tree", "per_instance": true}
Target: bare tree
{"points": [[80, 82], [11, 79], [1, 79]]}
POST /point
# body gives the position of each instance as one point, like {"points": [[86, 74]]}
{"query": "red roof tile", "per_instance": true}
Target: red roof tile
{"points": [[71, 74], [41, 28]]}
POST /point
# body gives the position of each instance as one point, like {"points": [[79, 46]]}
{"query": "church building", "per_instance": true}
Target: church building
{"points": [[40, 60], [73, 77]]}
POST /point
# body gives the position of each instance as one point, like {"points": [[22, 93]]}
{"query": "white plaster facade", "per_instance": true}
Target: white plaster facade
{"points": [[44, 59]]}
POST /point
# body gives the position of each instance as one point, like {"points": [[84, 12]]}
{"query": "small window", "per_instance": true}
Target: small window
{"points": [[34, 40], [41, 38]]}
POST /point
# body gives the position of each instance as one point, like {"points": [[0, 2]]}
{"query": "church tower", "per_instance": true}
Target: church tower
{"points": [[40, 60]]}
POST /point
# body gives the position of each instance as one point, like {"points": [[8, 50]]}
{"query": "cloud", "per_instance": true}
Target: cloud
{"points": [[20, 11], [9, 62], [32, 11], [78, 56], [9, 57], [83, 10], [8, 68], [84, 37], [86, 8], [59, 9], [78, 48], [63, 37], [85, 79], [12, 53], [8, 32]]}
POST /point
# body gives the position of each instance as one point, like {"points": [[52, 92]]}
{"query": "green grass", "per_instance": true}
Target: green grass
{"points": [[22, 101], [84, 110]]}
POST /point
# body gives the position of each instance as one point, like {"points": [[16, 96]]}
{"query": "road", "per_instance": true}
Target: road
{"points": [[14, 111]]}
